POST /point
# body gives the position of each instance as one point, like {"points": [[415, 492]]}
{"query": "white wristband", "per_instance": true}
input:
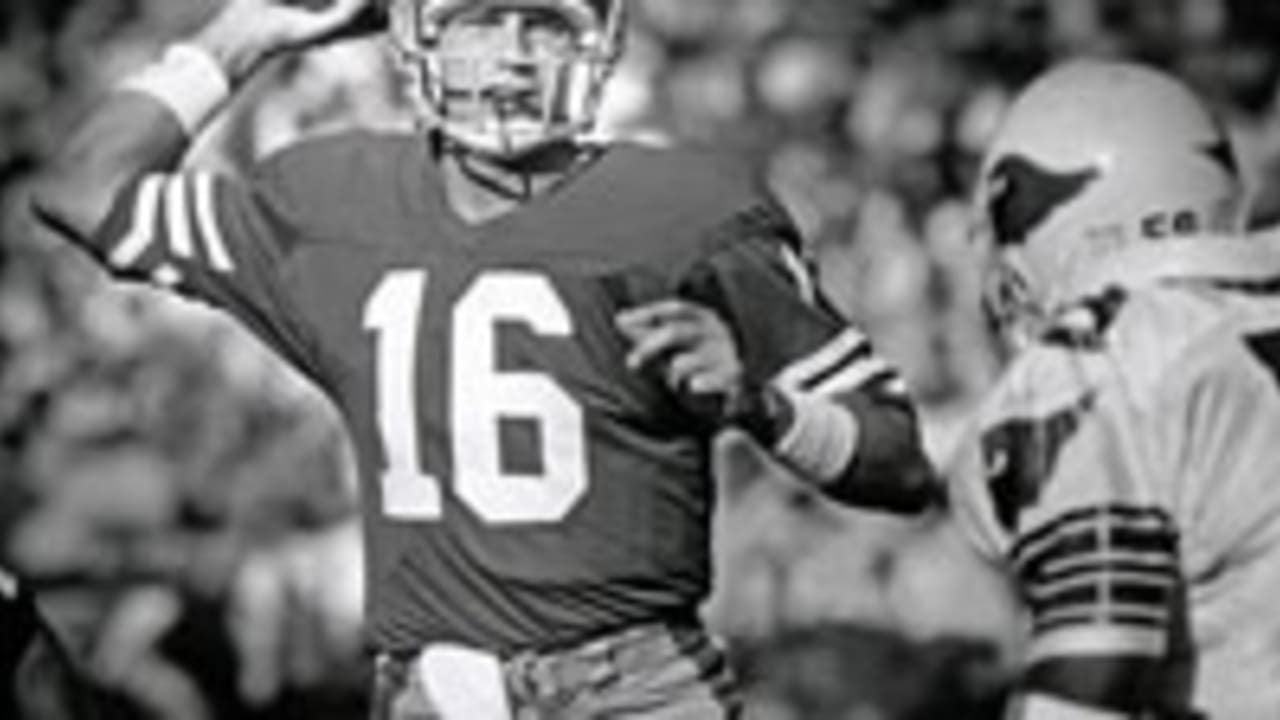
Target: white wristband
{"points": [[187, 80], [822, 439]]}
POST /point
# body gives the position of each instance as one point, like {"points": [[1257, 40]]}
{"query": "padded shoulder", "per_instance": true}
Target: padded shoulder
{"points": [[344, 187]]}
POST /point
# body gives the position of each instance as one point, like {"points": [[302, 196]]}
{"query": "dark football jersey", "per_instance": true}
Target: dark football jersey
{"points": [[520, 485]]}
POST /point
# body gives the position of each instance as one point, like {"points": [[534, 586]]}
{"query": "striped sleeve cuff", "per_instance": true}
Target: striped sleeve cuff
{"points": [[173, 223], [845, 363], [1100, 580]]}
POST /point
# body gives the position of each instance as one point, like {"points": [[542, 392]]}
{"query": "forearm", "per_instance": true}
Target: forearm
{"points": [[889, 470], [128, 135], [144, 125]]}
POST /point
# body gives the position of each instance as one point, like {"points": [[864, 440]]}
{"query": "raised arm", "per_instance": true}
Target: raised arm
{"points": [[147, 123]]}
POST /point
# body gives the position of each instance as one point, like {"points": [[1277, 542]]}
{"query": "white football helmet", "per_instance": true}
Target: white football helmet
{"points": [[504, 105], [1090, 158]]}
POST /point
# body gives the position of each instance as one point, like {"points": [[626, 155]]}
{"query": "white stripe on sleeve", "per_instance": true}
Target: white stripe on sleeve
{"points": [[800, 273], [1090, 638], [141, 235], [825, 359], [177, 218], [207, 223], [852, 377]]}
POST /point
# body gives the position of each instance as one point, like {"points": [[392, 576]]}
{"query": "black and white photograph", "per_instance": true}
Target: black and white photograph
{"points": [[639, 360]]}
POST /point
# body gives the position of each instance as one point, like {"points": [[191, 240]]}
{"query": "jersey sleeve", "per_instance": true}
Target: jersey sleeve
{"points": [[1225, 415], [1063, 487], [791, 338], [215, 238], [787, 331]]}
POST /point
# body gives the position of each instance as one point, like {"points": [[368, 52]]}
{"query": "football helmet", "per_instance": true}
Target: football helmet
{"points": [[540, 83], [1090, 158]]}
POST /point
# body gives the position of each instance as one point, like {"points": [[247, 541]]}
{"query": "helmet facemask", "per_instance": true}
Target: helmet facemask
{"points": [[505, 78], [1013, 301], [1017, 200]]}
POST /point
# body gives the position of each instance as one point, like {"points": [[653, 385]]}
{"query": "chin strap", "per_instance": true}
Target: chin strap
{"points": [[505, 183]]}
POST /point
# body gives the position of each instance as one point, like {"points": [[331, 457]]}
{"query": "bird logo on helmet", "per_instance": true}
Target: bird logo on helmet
{"points": [[541, 85], [1091, 158]]}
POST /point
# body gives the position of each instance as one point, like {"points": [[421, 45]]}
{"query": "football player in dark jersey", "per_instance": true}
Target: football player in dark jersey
{"points": [[533, 341]]}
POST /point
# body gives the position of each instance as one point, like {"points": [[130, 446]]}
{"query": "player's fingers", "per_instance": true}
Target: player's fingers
{"points": [[320, 22], [684, 367], [713, 381], [704, 365], [707, 371], [339, 13], [660, 341], [649, 346], [641, 319]]}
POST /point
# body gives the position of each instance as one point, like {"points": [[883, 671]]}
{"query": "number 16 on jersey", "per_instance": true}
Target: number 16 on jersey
{"points": [[480, 398]]}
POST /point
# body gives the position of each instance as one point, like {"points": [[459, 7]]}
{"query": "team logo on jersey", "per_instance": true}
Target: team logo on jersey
{"points": [[1019, 456], [1025, 194]]}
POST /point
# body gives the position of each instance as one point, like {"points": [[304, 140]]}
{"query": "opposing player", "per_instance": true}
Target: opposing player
{"points": [[532, 339], [1126, 467]]}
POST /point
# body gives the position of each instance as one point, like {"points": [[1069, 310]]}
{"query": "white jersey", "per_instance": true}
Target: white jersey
{"points": [[1127, 470]]}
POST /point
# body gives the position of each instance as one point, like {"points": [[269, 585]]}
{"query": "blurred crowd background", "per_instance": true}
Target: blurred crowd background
{"points": [[183, 504]]}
